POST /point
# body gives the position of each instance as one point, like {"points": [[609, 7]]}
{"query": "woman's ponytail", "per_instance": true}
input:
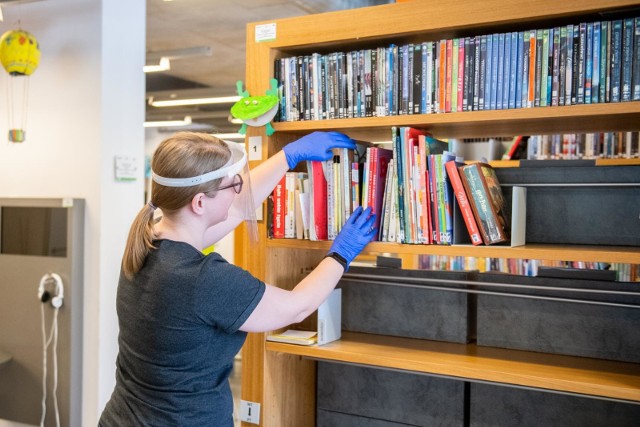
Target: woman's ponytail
{"points": [[139, 242]]}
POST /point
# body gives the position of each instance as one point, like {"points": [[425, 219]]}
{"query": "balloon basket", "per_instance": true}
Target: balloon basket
{"points": [[16, 135]]}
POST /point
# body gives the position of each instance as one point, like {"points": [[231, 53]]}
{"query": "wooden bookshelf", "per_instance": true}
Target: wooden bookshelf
{"points": [[585, 253], [281, 377], [580, 375]]}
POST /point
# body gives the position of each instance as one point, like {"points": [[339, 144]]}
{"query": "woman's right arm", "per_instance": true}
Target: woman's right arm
{"points": [[279, 307]]}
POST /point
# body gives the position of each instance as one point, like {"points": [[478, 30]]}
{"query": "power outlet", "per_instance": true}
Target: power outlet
{"points": [[250, 412]]}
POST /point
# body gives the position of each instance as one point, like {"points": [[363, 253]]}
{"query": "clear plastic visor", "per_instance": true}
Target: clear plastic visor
{"points": [[243, 207]]}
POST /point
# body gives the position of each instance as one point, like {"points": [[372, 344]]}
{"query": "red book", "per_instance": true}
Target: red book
{"points": [[463, 202], [378, 162], [318, 212], [461, 70], [279, 208]]}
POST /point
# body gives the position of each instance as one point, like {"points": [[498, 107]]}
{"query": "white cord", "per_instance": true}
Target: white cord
{"points": [[53, 336]]}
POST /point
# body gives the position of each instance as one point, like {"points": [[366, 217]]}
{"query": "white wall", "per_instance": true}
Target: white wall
{"points": [[86, 105]]}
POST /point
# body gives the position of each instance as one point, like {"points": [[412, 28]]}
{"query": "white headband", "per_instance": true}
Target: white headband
{"points": [[235, 164]]}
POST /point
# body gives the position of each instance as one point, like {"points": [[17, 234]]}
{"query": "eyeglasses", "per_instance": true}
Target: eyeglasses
{"points": [[237, 184]]}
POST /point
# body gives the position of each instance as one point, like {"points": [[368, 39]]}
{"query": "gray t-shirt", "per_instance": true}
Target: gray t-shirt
{"points": [[179, 321]]}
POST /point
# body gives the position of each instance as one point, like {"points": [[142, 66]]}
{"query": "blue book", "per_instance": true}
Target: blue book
{"points": [[595, 77], [616, 59], [500, 71], [627, 59], [513, 69], [526, 51], [494, 71], [588, 64], [635, 79], [605, 39], [518, 70]]}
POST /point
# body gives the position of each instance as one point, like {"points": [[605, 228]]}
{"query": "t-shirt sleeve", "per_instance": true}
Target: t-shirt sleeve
{"points": [[227, 294]]}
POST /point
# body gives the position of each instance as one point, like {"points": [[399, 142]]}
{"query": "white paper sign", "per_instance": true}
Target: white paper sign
{"points": [[265, 32], [126, 168], [255, 148]]}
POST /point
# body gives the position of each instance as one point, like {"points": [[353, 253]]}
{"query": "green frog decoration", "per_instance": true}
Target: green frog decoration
{"points": [[256, 110]]}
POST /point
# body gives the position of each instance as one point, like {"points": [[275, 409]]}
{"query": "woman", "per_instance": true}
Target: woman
{"points": [[183, 315]]}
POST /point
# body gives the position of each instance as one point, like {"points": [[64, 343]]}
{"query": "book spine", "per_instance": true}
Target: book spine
{"points": [[588, 64], [476, 74], [555, 77], [595, 77], [627, 60], [463, 203], [500, 71], [483, 73], [605, 39], [279, 208], [635, 81], [616, 60]]}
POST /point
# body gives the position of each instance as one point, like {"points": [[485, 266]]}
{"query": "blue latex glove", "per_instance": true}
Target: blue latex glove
{"points": [[355, 234], [316, 146]]}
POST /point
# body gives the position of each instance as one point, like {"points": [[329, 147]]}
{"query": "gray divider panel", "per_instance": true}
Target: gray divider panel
{"points": [[357, 396], [414, 312], [593, 215], [560, 327], [496, 406]]}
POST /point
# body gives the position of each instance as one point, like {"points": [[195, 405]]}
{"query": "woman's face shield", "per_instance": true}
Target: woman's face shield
{"points": [[237, 169]]}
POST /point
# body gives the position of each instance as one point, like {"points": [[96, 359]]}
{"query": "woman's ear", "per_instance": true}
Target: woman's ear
{"points": [[197, 203]]}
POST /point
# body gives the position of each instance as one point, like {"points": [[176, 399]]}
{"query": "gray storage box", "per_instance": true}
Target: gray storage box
{"points": [[560, 327], [592, 211], [498, 406], [358, 396], [375, 301]]}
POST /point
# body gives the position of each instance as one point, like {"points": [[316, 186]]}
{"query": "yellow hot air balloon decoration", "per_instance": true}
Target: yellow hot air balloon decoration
{"points": [[20, 56]]}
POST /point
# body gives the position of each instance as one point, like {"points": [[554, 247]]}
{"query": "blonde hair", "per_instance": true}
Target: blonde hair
{"points": [[183, 155]]}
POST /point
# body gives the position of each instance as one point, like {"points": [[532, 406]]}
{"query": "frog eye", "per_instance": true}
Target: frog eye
{"points": [[255, 102]]}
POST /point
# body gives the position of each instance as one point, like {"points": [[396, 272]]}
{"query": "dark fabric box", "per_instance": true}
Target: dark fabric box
{"points": [[560, 327], [374, 301], [497, 406], [357, 396], [591, 215]]}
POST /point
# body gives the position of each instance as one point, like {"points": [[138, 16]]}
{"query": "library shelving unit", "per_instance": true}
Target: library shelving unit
{"points": [[282, 377]]}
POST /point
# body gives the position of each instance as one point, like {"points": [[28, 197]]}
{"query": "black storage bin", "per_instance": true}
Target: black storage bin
{"points": [[592, 215], [349, 395], [375, 301], [562, 327], [498, 406]]}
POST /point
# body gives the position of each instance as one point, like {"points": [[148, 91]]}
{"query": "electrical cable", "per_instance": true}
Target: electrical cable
{"points": [[46, 342]]}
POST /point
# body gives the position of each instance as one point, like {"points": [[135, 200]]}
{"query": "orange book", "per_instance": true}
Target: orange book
{"points": [[449, 77], [463, 202], [442, 74], [532, 68]]}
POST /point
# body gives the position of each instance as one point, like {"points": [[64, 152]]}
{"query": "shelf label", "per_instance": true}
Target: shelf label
{"points": [[266, 32], [255, 148], [249, 412]]}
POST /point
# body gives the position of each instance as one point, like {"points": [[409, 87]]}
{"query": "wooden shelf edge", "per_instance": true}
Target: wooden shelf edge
{"points": [[584, 253], [584, 376], [592, 117]]}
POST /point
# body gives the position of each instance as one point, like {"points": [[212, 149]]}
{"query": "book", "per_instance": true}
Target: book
{"points": [[279, 208], [463, 202], [292, 336], [318, 202], [487, 201]]}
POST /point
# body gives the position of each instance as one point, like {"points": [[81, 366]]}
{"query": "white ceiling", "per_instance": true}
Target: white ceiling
{"points": [[220, 25]]}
